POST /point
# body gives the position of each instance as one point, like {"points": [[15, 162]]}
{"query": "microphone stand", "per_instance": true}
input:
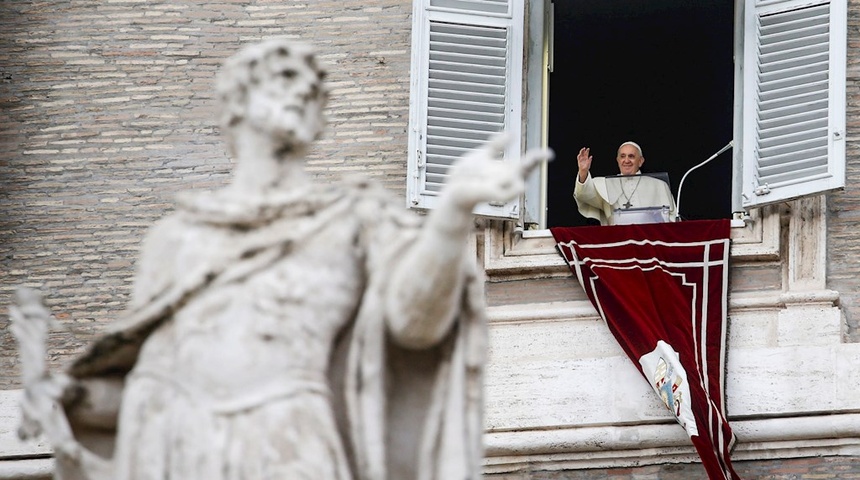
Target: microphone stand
{"points": [[681, 185]]}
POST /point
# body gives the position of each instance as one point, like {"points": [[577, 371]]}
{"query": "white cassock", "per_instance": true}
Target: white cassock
{"points": [[595, 199]]}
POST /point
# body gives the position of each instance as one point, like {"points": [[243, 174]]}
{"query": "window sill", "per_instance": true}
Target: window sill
{"points": [[513, 254]]}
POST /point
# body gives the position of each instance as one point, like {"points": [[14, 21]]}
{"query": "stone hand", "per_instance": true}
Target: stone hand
{"points": [[42, 390], [482, 175]]}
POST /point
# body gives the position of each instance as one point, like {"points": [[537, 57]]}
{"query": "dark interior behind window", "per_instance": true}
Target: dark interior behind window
{"points": [[659, 73]]}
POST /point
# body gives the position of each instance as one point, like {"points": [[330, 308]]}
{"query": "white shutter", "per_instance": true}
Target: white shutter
{"points": [[794, 99], [466, 85]]}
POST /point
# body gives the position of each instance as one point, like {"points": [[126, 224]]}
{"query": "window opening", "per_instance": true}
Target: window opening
{"points": [[657, 73]]}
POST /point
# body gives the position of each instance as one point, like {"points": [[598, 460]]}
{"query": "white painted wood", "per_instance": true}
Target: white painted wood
{"points": [[459, 94], [794, 99]]}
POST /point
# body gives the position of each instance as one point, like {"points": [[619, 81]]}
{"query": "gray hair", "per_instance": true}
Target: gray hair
{"points": [[634, 144]]}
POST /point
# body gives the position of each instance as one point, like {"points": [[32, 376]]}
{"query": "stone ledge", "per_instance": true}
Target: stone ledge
{"points": [[636, 445], [27, 469]]}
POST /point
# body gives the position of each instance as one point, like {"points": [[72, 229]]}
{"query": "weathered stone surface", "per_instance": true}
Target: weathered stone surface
{"points": [[278, 327], [108, 109]]}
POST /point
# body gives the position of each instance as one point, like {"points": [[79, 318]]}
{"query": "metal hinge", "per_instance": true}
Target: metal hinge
{"points": [[417, 176], [421, 163], [762, 190]]}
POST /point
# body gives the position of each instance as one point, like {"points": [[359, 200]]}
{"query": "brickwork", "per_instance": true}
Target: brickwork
{"points": [[108, 111], [843, 223]]}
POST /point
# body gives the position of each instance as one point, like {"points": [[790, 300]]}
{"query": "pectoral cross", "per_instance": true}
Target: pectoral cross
{"points": [[629, 197]]}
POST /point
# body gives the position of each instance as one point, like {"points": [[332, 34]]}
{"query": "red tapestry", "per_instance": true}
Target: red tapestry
{"points": [[662, 290]]}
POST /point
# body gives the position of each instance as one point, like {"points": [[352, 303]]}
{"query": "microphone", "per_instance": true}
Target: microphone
{"points": [[681, 185]]}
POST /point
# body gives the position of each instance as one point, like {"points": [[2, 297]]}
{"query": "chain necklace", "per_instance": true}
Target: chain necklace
{"points": [[627, 197]]}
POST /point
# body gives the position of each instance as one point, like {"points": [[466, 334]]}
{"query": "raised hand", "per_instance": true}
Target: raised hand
{"points": [[583, 160]]}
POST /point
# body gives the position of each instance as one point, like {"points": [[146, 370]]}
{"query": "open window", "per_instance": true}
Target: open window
{"points": [[680, 78], [656, 73]]}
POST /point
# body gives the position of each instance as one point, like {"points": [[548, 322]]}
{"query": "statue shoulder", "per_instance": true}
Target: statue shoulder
{"points": [[157, 259], [376, 205], [165, 235]]}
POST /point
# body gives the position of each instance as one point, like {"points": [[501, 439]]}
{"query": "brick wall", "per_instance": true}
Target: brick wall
{"points": [[843, 252], [108, 111]]}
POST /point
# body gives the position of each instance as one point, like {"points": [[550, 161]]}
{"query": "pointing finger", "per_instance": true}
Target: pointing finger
{"points": [[535, 157]]}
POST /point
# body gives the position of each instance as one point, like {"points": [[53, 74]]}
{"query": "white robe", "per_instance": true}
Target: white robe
{"points": [[596, 200]]}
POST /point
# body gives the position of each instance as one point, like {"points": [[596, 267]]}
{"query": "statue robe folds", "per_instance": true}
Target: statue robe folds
{"points": [[598, 199], [369, 410]]}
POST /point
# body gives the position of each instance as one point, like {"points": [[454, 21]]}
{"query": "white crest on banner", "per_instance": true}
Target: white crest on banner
{"points": [[669, 380]]}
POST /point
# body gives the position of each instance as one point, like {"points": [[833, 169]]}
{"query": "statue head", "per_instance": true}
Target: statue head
{"points": [[629, 158], [275, 87]]}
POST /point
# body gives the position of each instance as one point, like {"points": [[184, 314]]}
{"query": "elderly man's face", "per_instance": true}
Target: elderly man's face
{"points": [[629, 160], [287, 100]]}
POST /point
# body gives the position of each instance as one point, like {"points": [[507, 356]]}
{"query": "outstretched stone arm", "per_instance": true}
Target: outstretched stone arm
{"points": [[424, 290], [47, 395]]}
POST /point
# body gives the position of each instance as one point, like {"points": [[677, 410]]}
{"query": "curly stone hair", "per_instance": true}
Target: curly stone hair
{"points": [[246, 68]]}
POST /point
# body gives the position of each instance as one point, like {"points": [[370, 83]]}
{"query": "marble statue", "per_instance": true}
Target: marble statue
{"points": [[279, 328]]}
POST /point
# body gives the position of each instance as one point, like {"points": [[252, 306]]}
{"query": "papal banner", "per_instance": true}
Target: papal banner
{"points": [[662, 290]]}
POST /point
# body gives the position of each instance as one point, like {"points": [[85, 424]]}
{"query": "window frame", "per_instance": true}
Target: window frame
{"points": [[536, 111], [511, 253], [528, 84]]}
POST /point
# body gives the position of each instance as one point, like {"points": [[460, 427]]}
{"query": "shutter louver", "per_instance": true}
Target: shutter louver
{"points": [[474, 6], [466, 94], [794, 124], [467, 70], [793, 73]]}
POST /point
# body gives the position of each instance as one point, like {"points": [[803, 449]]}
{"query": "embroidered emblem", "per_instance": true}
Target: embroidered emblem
{"points": [[666, 381], [667, 376]]}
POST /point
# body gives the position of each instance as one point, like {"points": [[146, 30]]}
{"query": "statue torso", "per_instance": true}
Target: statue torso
{"points": [[246, 358], [268, 331]]}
